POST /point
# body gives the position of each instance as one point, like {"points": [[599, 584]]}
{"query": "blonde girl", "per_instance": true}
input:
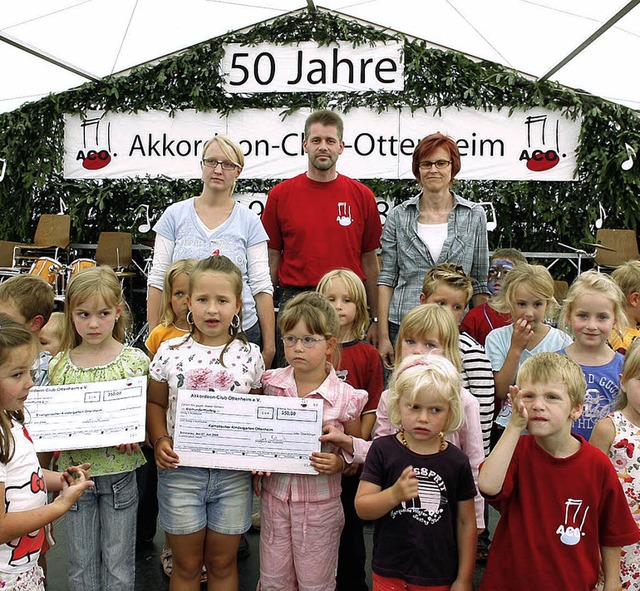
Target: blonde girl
{"points": [[173, 318], [203, 511], [301, 514], [527, 294], [422, 539], [359, 363], [359, 366], [593, 308], [103, 521], [23, 484], [618, 436], [428, 329]]}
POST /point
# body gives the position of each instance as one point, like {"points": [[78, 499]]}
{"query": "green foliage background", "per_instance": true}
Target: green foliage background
{"points": [[533, 216]]}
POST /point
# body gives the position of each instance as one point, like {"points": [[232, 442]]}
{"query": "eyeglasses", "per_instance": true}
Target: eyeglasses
{"points": [[307, 342], [226, 164], [427, 164]]}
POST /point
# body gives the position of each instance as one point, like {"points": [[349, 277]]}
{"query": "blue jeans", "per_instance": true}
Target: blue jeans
{"points": [[101, 535]]}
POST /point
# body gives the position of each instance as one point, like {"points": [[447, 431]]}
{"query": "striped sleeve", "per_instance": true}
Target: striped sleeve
{"points": [[477, 377]]}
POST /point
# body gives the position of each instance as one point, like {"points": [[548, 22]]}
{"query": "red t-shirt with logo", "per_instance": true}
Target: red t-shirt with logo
{"points": [[319, 227]]}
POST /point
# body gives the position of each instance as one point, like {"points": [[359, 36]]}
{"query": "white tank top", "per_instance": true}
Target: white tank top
{"points": [[433, 235]]}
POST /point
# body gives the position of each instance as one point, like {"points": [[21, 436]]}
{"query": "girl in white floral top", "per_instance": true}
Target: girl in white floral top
{"points": [[618, 435], [92, 350], [203, 511]]}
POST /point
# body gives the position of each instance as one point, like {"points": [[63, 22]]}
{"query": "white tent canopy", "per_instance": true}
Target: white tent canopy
{"points": [[53, 45]]}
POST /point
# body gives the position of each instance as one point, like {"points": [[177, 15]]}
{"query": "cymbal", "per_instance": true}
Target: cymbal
{"points": [[596, 245]]}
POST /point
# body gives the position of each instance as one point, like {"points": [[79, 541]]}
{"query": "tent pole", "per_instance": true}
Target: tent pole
{"points": [[612, 21], [48, 58]]}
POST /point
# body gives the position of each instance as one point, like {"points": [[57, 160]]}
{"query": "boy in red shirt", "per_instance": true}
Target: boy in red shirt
{"points": [[563, 513]]}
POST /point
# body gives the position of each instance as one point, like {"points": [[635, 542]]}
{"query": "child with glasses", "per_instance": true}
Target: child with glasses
{"points": [[302, 515]]}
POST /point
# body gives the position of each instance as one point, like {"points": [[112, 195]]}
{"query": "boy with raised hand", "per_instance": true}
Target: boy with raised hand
{"points": [[481, 320], [564, 516], [627, 276]]}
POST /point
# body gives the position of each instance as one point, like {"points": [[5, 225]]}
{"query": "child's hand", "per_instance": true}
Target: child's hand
{"points": [[522, 333], [128, 448], [331, 434], [326, 463], [74, 483], [72, 474], [519, 415], [385, 349], [165, 456], [256, 482], [406, 487]]}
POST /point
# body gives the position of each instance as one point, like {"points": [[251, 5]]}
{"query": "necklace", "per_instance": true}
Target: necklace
{"points": [[403, 440]]}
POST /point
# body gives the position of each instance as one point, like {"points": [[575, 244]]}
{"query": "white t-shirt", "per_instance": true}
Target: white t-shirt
{"points": [[193, 366], [24, 489], [433, 235]]}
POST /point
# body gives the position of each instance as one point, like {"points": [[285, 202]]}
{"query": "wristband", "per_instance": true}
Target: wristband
{"points": [[159, 438]]}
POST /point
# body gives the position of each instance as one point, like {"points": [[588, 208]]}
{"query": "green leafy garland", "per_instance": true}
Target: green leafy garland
{"points": [[533, 216]]}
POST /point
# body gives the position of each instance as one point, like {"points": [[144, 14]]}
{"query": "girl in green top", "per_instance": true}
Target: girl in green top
{"points": [[103, 521]]}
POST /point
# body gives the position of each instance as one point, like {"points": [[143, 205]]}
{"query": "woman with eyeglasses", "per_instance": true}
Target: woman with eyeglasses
{"points": [[436, 226], [214, 223]]}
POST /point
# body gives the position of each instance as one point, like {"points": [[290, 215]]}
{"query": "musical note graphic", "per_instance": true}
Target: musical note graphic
{"points": [[631, 153], [145, 226], [603, 216]]}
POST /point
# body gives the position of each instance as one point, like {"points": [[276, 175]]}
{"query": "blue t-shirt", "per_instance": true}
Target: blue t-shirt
{"points": [[242, 229], [497, 346], [603, 385]]}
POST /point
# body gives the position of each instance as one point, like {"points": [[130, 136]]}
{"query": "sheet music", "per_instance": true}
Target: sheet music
{"points": [[84, 416], [247, 432]]}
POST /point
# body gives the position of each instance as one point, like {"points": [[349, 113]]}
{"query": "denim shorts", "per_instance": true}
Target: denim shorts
{"points": [[191, 498]]}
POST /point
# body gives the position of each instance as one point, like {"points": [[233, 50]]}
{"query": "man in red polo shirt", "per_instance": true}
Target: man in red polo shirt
{"points": [[322, 220]]}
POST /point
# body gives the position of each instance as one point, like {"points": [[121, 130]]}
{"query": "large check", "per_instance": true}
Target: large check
{"points": [[247, 432], [84, 416]]}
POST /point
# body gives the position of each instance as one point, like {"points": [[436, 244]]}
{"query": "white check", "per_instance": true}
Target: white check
{"points": [[246, 431], [84, 416]]}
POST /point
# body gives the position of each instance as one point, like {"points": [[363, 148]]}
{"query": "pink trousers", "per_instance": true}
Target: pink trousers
{"points": [[299, 544]]}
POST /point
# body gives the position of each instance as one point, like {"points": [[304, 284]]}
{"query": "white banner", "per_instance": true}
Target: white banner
{"points": [[528, 145], [309, 67]]}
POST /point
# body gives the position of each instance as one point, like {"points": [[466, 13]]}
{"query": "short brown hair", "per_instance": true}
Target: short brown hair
{"points": [[509, 254], [431, 143], [544, 367], [324, 117], [450, 274], [31, 295]]}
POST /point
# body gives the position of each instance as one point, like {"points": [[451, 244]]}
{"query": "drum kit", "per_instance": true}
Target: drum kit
{"points": [[55, 273]]}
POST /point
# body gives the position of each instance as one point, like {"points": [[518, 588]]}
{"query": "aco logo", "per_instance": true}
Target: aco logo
{"points": [[539, 161], [93, 159]]}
